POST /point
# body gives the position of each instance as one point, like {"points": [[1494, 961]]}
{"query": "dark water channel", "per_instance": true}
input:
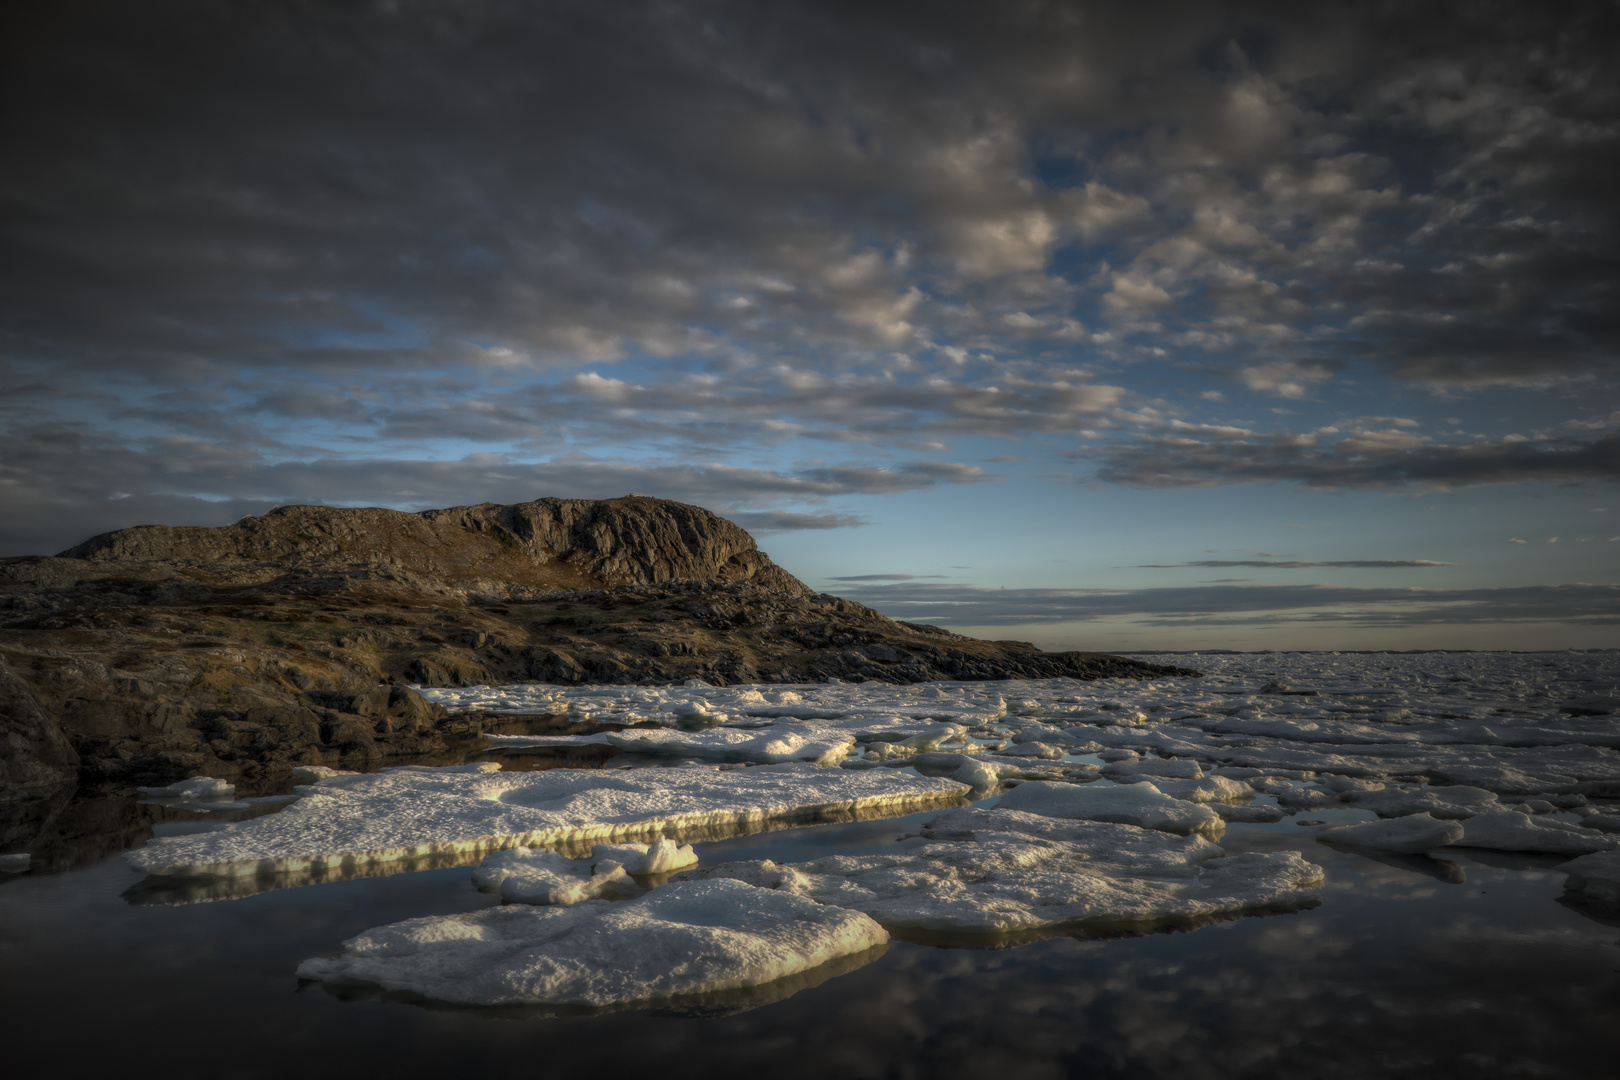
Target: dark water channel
{"points": [[1409, 967]]}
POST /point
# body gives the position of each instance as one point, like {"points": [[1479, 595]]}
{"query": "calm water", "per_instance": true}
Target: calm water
{"points": [[1471, 966]]}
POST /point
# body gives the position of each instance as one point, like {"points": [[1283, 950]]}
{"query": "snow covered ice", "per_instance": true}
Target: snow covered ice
{"points": [[677, 941], [1411, 835], [352, 822], [770, 746], [1142, 805], [530, 876], [1595, 876], [1007, 872]]}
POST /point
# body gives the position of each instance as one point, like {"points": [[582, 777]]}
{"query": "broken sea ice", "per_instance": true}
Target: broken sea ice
{"points": [[680, 940], [1006, 872], [351, 823]]}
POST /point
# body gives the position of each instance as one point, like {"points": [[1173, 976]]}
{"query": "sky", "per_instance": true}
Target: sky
{"points": [[1104, 326]]}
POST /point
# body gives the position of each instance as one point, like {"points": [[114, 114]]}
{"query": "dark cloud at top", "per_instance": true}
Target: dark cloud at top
{"points": [[357, 244]]}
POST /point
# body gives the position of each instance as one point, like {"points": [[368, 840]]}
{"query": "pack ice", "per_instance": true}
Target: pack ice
{"points": [[351, 822], [1449, 735], [680, 940], [770, 746], [1004, 871]]}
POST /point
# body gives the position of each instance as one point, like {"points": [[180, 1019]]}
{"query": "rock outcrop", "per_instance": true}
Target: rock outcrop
{"points": [[547, 544], [154, 653]]}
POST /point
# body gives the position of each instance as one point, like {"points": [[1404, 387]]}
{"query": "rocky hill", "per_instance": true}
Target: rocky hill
{"points": [[546, 544], [153, 653]]}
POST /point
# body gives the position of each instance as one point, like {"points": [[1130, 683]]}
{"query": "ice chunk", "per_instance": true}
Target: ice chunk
{"points": [[1154, 768], [1211, 789], [1006, 872], [774, 744], [1409, 835], [980, 774], [661, 857], [198, 787], [314, 774], [234, 805], [1595, 876], [1345, 785], [1508, 830], [351, 823], [1141, 804], [14, 863], [1441, 802], [679, 940], [1603, 822], [1033, 749], [1254, 813], [526, 876]]}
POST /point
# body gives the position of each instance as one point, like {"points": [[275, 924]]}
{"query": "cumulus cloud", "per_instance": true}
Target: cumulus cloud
{"points": [[193, 482], [289, 234], [1288, 379], [1362, 460]]}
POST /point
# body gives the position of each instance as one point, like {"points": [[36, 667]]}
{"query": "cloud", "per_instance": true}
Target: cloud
{"points": [[763, 522], [1279, 564], [754, 227], [1287, 379], [195, 482], [1234, 605], [885, 577], [1376, 460]]}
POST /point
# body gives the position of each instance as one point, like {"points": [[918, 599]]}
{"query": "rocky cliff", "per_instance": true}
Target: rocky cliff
{"points": [[545, 544], [149, 654]]}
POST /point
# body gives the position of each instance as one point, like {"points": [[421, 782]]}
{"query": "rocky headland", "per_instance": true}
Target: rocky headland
{"points": [[150, 654]]}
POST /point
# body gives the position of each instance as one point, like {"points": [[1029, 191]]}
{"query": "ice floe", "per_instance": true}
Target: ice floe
{"points": [[1141, 804], [681, 940], [1010, 872], [1595, 876], [1409, 835], [352, 822], [532, 876], [770, 746], [198, 787], [14, 863], [1509, 830], [528, 876]]}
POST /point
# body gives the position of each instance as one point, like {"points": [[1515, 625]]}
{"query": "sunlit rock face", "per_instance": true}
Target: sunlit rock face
{"points": [[547, 543]]}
